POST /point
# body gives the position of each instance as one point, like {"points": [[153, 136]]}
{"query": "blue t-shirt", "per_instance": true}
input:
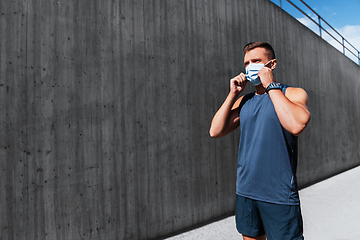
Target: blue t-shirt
{"points": [[267, 157]]}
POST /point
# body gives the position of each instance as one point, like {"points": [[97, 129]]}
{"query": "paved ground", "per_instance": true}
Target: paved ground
{"points": [[331, 211]]}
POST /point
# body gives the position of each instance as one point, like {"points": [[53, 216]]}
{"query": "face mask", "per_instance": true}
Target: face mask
{"points": [[252, 71]]}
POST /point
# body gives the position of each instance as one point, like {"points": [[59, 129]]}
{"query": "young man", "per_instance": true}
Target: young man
{"points": [[271, 118]]}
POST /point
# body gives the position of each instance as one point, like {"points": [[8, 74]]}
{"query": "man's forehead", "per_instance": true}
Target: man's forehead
{"points": [[258, 52]]}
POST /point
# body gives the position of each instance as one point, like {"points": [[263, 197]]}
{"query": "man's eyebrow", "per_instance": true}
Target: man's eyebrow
{"points": [[253, 60]]}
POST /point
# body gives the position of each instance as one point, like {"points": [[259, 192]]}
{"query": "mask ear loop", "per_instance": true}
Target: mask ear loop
{"points": [[266, 65]]}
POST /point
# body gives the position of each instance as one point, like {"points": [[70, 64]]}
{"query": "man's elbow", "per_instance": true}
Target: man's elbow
{"points": [[299, 128], [297, 132], [214, 134]]}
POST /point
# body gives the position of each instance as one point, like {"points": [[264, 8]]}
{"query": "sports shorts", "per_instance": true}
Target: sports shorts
{"points": [[279, 222]]}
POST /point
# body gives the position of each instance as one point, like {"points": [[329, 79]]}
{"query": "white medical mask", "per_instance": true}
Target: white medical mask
{"points": [[252, 71]]}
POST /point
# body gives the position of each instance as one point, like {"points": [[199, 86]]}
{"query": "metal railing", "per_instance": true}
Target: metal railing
{"points": [[320, 19]]}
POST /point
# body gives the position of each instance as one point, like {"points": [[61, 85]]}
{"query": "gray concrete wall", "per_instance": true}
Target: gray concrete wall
{"points": [[106, 107]]}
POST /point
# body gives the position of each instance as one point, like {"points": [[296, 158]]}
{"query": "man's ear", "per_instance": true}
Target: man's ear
{"points": [[273, 64]]}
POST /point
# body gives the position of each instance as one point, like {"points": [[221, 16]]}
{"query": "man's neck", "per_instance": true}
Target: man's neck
{"points": [[260, 89]]}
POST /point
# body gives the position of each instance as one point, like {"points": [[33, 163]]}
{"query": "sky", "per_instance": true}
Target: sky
{"points": [[342, 15]]}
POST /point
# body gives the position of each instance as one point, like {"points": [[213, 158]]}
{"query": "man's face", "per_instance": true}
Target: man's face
{"points": [[256, 55]]}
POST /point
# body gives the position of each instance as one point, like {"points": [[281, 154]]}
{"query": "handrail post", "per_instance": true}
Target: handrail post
{"points": [[280, 4], [359, 56], [343, 43], [320, 26]]}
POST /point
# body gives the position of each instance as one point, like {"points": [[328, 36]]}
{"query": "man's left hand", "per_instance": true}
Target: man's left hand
{"points": [[266, 76]]}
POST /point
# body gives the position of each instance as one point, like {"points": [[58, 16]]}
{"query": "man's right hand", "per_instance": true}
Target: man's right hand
{"points": [[238, 83]]}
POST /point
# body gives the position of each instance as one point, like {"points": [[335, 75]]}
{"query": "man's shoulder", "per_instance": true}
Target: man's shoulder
{"points": [[294, 90], [296, 94], [241, 100]]}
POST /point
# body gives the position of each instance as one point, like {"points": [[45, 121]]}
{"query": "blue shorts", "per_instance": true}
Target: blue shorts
{"points": [[256, 218]]}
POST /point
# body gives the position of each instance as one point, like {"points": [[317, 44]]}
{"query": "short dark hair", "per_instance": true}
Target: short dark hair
{"points": [[268, 48]]}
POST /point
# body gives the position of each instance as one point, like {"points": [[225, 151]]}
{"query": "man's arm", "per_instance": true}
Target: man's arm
{"points": [[226, 118], [291, 109]]}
